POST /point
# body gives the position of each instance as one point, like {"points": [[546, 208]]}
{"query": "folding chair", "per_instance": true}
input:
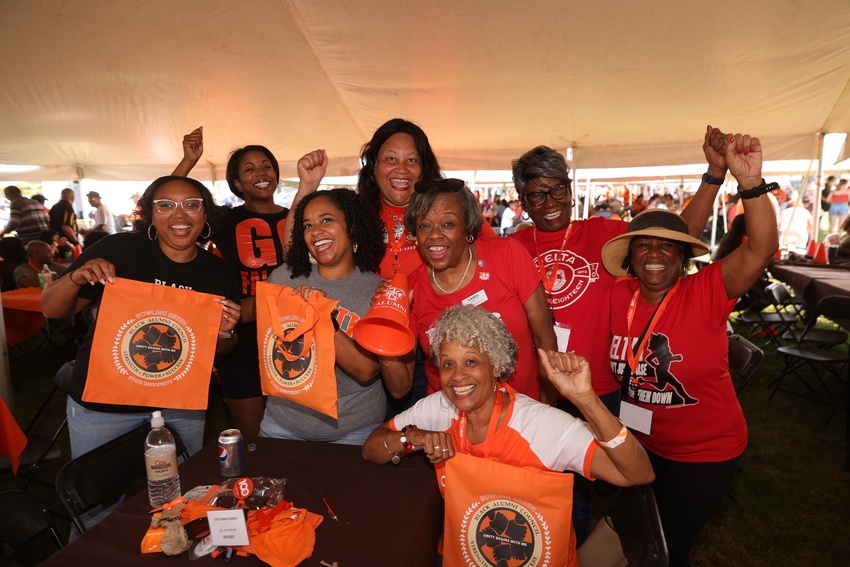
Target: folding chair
{"points": [[745, 359], [822, 363], [101, 476], [784, 302], [23, 520], [767, 326]]}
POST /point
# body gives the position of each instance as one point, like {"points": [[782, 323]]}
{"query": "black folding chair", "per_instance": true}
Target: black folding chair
{"points": [[23, 519], [785, 302], [101, 476], [812, 364], [766, 327], [745, 359]]}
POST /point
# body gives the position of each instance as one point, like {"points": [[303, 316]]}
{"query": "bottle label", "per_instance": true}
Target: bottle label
{"points": [[161, 467]]}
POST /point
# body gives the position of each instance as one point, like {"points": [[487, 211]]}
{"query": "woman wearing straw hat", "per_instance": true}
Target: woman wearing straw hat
{"points": [[669, 345]]}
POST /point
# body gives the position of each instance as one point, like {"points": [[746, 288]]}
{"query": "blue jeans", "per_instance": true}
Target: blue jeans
{"points": [[270, 428], [90, 429]]}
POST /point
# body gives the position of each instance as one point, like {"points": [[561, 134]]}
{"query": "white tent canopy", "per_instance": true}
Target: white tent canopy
{"points": [[105, 90]]}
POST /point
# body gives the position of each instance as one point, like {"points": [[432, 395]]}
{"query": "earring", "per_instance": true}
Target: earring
{"points": [[208, 228], [153, 236], [312, 259], [470, 238], [354, 248]]}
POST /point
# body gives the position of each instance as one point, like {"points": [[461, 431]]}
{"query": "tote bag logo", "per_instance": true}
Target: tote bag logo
{"points": [[289, 363], [502, 532], [154, 348]]}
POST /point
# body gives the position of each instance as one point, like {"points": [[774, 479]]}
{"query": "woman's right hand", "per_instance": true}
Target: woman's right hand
{"points": [[437, 445], [311, 169], [744, 158], [193, 145], [306, 291], [93, 272]]}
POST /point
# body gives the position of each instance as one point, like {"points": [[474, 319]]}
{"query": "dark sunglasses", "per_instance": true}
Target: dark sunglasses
{"points": [[557, 192], [450, 185]]}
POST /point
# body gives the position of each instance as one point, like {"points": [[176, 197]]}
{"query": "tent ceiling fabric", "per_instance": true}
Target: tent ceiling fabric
{"points": [[113, 86]]}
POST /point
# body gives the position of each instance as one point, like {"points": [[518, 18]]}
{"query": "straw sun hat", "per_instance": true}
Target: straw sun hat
{"points": [[656, 223]]}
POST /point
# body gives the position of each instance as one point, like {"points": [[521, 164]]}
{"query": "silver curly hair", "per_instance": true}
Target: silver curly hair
{"points": [[478, 328]]}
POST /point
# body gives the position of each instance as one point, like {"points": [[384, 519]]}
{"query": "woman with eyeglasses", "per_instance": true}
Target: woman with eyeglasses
{"points": [[461, 268], [253, 240], [568, 255], [175, 214]]}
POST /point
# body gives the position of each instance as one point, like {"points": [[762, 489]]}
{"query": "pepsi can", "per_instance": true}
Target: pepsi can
{"points": [[231, 452]]}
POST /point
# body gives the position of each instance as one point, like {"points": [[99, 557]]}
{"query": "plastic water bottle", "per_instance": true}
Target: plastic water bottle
{"points": [[161, 463], [45, 277]]}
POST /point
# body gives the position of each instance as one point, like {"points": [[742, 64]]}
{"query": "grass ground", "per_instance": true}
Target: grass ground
{"points": [[791, 489]]}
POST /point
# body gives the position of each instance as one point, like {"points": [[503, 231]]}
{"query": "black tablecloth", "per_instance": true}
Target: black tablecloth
{"points": [[388, 515]]}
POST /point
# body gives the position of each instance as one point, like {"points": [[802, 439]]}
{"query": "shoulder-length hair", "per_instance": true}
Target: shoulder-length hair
{"points": [[361, 224], [366, 184], [144, 206]]}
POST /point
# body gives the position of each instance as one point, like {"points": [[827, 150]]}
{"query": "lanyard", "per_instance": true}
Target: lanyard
{"points": [[631, 354], [395, 245], [549, 279], [491, 428]]}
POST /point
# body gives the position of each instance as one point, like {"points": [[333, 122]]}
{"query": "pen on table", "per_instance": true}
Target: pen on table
{"points": [[328, 506]]}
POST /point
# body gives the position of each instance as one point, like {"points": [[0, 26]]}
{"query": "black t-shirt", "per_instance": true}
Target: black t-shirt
{"points": [[138, 258], [62, 213]]}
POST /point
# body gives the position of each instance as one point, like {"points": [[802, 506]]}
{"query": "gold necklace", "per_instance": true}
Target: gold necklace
{"points": [[463, 277]]}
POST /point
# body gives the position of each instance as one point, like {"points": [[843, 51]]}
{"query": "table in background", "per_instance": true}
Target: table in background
{"points": [[22, 313], [814, 281], [388, 515]]}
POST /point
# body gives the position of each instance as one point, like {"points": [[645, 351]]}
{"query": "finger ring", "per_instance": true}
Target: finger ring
{"points": [[437, 447], [445, 449]]}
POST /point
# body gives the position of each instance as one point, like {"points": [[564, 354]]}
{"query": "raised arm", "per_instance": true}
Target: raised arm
{"points": [[311, 170], [623, 463], [193, 149], [701, 206], [742, 267]]}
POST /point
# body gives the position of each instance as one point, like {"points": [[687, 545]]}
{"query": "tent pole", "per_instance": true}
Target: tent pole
{"points": [[817, 195]]}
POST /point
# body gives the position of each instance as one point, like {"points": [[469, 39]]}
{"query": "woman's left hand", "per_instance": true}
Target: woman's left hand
{"points": [[306, 291], [437, 445], [569, 372], [230, 314]]}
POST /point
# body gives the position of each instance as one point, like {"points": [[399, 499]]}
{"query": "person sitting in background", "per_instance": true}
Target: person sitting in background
{"points": [[93, 236], [476, 412], [670, 348], [26, 217], [103, 217], [56, 242], [12, 255], [39, 254]]}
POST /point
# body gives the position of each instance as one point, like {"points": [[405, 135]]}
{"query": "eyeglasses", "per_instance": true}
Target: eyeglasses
{"points": [[557, 192], [167, 207], [450, 185]]}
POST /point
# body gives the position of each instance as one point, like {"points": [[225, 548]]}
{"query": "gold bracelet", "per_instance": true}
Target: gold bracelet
{"points": [[396, 459]]}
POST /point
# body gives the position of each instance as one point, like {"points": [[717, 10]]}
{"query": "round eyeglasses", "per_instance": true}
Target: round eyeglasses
{"points": [[557, 192], [167, 207]]}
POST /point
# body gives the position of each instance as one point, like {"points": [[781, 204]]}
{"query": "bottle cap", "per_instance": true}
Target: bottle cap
{"points": [[157, 419]]}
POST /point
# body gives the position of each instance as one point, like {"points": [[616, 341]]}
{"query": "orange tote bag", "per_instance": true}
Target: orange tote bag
{"points": [[153, 346], [296, 344], [498, 514]]}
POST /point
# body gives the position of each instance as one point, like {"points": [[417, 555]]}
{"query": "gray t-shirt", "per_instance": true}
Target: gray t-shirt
{"points": [[359, 405]]}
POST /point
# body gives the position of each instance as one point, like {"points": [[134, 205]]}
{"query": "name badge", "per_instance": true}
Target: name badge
{"points": [[227, 527], [476, 298], [636, 417], [562, 333]]}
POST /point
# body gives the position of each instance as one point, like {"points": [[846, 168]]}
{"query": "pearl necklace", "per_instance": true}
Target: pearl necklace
{"points": [[463, 277]]}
